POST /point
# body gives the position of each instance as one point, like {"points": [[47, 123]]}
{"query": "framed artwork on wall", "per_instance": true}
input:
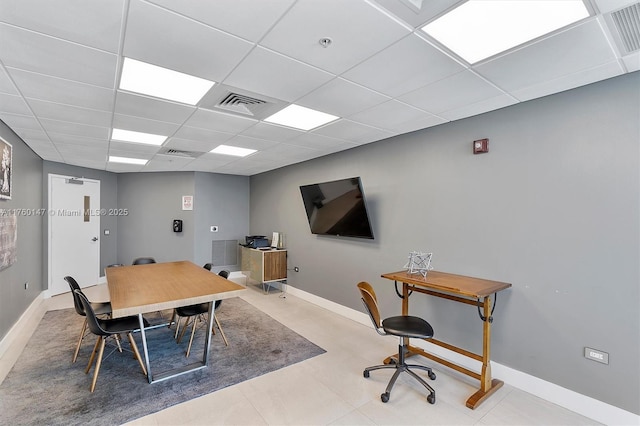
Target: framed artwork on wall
{"points": [[6, 164]]}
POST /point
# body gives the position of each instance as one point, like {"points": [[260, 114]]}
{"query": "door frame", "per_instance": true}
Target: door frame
{"points": [[50, 214]]}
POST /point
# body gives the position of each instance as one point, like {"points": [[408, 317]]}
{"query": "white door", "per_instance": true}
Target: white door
{"points": [[74, 231]]}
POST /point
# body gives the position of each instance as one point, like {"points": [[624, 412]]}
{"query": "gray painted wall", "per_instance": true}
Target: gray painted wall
{"points": [[108, 200], [221, 200], [553, 209], [153, 200], [26, 194]]}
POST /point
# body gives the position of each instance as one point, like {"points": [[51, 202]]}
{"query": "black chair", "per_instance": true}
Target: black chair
{"points": [[194, 313], [143, 261], [100, 308], [403, 326], [104, 328]]}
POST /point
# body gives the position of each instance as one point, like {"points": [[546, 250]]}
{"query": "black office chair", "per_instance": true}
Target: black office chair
{"points": [[100, 308], [104, 328], [194, 313], [403, 326], [143, 261]]}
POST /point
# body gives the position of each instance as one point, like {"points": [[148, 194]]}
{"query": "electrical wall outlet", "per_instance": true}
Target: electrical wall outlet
{"points": [[596, 355]]}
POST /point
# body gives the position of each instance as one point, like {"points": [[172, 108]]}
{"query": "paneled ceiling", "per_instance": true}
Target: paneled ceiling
{"points": [[60, 64]]}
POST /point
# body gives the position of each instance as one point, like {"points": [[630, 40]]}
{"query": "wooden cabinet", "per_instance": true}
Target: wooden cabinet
{"points": [[264, 266]]}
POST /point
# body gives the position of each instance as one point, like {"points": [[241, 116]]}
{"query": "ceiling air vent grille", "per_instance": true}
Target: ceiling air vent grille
{"points": [[242, 104], [180, 153], [627, 23]]}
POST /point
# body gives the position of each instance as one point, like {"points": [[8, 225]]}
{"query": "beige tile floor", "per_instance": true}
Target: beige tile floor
{"points": [[330, 389]]}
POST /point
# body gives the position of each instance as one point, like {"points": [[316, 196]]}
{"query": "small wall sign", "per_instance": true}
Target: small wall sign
{"points": [[187, 202]]}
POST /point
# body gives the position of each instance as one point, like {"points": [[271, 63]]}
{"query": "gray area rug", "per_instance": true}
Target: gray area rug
{"points": [[45, 388]]}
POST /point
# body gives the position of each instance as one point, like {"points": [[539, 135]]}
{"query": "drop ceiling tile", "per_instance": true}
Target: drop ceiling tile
{"points": [[16, 121], [219, 121], [574, 50], [570, 81], [407, 65], [13, 104], [152, 108], [269, 73], [248, 19], [191, 145], [6, 86], [33, 136], [137, 124], [51, 56], [352, 131], [311, 20], [76, 129], [39, 86], [61, 112], [207, 162], [251, 143], [342, 98], [95, 24], [417, 12], [452, 92], [123, 168], [479, 107], [161, 163], [272, 132], [316, 141], [47, 153], [395, 116], [134, 150], [89, 164], [196, 134], [77, 140], [182, 45], [87, 152]]}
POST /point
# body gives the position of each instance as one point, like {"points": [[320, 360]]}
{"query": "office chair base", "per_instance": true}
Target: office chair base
{"points": [[400, 367]]}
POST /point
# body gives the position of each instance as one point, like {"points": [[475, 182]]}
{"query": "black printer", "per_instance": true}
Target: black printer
{"points": [[256, 241]]}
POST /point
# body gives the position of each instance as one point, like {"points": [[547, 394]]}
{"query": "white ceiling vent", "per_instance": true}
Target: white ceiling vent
{"points": [[180, 153], [228, 99], [627, 23], [242, 104]]}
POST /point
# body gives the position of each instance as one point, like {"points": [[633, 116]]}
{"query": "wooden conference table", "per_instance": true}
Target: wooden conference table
{"points": [[140, 289], [472, 291]]}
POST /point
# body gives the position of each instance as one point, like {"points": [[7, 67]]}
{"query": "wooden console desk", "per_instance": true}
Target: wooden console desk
{"points": [[472, 291], [264, 266]]}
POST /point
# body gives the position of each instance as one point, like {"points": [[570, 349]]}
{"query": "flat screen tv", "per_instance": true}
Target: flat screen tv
{"points": [[337, 208]]}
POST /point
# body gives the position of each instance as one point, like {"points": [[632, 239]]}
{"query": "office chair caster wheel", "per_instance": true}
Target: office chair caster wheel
{"points": [[432, 375], [384, 397], [431, 399], [365, 373]]}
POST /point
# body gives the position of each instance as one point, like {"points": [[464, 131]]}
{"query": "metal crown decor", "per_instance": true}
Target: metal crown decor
{"points": [[419, 263]]}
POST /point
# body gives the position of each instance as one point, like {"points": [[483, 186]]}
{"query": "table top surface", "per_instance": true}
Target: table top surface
{"points": [[139, 289], [451, 283]]}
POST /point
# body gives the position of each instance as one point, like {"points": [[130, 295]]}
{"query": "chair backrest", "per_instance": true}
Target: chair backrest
{"points": [[224, 274], [208, 266], [92, 320], [144, 261], [370, 303], [73, 284]]}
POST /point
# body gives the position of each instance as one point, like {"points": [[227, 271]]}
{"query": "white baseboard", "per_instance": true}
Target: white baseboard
{"points": [[574, 401], [27, 322]]}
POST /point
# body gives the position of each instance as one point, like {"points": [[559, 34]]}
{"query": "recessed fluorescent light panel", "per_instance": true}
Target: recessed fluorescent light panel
{"points": [[126, 160], [300, 117], [232, 150], [479, 29], [137, 137], [164, 83]]}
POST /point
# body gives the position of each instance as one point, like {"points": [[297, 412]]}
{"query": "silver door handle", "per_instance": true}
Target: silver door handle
{"points": [[94, 239]]}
